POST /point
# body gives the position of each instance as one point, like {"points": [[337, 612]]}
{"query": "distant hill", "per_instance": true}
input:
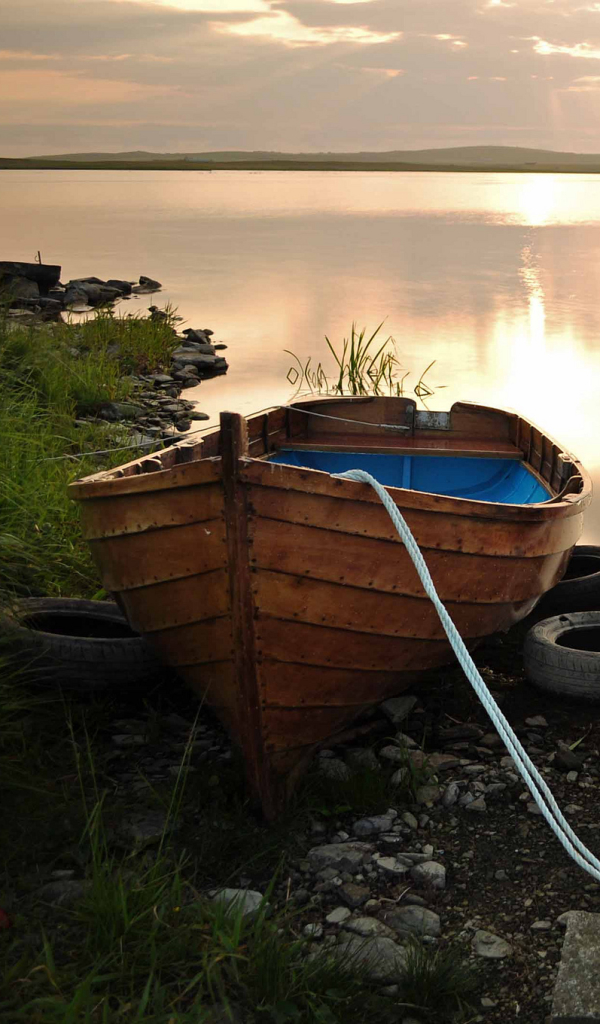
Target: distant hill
{"points": [[457, 155]]}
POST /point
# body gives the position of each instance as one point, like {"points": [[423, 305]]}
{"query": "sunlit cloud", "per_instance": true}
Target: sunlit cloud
{"points": [[209, 6], [284, 28], [588, 83], [27, 55], [385, 72], [444, 37], [576, 50]]}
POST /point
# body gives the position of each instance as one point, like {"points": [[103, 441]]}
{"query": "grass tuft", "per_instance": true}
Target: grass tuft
{"points": [[438, 983]]}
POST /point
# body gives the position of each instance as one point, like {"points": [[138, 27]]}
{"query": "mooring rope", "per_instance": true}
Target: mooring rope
{"points": [[342, 419], [531, 776]]}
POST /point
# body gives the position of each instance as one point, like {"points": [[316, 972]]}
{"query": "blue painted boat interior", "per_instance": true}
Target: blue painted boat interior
{"points": [[506, 481]]}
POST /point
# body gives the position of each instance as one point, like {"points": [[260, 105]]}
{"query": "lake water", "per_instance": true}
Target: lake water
{"points": [[493, 276]]}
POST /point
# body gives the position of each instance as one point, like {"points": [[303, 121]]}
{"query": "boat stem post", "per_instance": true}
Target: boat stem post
{"points": [[234, 446]]}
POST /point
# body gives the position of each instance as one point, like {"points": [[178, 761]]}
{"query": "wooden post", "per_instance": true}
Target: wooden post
{"points": [[233, 447]]}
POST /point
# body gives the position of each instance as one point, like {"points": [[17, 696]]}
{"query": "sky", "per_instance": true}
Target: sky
{"points": [[297, 75]]}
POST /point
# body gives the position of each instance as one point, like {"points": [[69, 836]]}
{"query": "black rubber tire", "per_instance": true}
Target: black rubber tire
{"points": [[579, 590], [84, 646], [562, 655]]}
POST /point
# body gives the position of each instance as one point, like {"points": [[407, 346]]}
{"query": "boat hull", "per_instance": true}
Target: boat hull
{"points": [[285, 599]]}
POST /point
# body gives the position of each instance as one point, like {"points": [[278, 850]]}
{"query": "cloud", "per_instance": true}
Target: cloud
{"points": [[281, 26], [585, 50], [72, 90]]}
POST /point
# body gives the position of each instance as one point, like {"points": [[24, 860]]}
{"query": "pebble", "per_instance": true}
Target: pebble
{"points": [[414, 920], [398, 708], [338, 916], [410, 820], [381, 958], [313, 930], [342, 856], [368, 927], [244, 901], [490, 946], [430, 873]]}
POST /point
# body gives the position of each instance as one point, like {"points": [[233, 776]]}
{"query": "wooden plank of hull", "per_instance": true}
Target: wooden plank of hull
{"points": [[177, 602], [136, 513], [196, 643], [291, 685], [385, 565], [109, 483], [365, 611], [431, 529], [137, 560], [292, 729], [316, 482], [305, 643]]}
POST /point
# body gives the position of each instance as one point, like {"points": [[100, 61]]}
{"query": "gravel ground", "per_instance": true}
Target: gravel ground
{"points": [[463, 858]]}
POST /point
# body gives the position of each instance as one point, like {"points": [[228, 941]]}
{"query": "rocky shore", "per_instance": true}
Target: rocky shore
{"points": [[155, 413]]}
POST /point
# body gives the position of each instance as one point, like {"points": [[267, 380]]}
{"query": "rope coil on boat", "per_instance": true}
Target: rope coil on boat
{"points": [[540, 791]]}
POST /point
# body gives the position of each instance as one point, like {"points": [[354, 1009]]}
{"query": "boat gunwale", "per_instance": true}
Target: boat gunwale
{"points": [[206, 470]]}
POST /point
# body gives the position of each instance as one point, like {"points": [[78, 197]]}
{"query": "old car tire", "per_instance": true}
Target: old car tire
{"points": [[579, 590], [80, 645], [562, 655]]}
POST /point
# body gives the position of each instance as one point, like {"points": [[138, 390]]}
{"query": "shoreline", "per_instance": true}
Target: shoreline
{"points": [[18, 164]]}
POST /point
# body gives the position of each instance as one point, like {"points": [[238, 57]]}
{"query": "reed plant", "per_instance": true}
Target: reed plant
{"points": [[363, 365]]}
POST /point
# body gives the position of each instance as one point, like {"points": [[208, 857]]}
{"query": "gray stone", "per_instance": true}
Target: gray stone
{"points": [[146, 828], [398, 755], [390, 866], [354, 895], [541, 926], [338, 916], [383, 961], [368, 927], [363, 757], [413, 920], [246, 901], [427, 794], [397, 708], [490, 946], [63, 892], [342, 856], [576, 998], [313, 930], [18, 288], [477, 805], [377, 823], [334, 768], [451, 794], [410, 820], [430, 873]]}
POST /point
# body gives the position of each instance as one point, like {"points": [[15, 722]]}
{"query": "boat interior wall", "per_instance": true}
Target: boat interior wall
{"points": [[498, 480]]}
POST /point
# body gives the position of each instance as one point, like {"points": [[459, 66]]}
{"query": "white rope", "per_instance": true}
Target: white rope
{"points": [[531, 776], [341, 419]]}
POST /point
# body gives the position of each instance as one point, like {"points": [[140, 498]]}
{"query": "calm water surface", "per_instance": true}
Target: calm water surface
{"points": [[495, 276]]}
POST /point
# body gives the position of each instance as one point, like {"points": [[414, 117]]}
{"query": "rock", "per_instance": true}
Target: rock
{"points": [[147, 284], [380, 957], [194, 335], [45, 275], [537, 721], [363, 757], [199, 416], [18, 288], [245, 901], [354, 895], [576, 998], [145, 828], [390, 866], [368, 927], [342, 856], [63, 892], [377, 823], [160, 379], [567, 759], [428, 795], [207, 365], [116, 411], [490, 946], [410, 820], [189, 350], [399, 755], [443, 762], [477, 805], [338, 916], [541, 926], [124, 287], [75, 297], [398, 708], [334, 768], [430, 873], [451, 794], [413, 920], [313, 930]]}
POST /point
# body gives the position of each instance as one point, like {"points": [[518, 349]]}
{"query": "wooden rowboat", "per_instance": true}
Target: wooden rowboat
{"points": [[282, 595]]}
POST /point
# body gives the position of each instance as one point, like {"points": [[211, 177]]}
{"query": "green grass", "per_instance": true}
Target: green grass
{"points": [[50, 375], [438, 983]]}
